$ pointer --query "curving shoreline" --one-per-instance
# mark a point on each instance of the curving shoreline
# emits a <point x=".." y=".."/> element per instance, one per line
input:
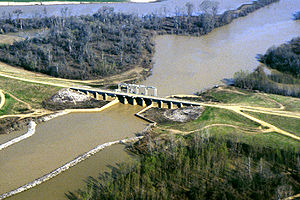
<point x="30" y="132"/>
<point x="66" y="166"/>
<point x="53" y="171"/>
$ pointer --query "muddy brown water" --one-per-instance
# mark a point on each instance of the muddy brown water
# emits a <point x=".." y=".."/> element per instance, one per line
<point x="7" y="137"/>
<point x="182" y="65"/>
<point x="60" y="140"/>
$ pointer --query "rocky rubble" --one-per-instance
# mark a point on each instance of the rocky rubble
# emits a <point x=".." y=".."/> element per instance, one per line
<point x="67" y="95"/>
<point x="70" y="99"/>
<point x="163" y="115"/>
<point x="183" y="114"/>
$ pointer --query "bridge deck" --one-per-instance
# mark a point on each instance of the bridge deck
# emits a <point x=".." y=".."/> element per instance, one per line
<point x="153" y="98"/>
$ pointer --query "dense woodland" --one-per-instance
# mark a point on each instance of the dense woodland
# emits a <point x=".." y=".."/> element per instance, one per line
<point x="106" y="43"/>
<point x="199" y="167"/>
<point x="284" y="79"/>
<point x="83" y="47"/>
<point x="285" y="58"/>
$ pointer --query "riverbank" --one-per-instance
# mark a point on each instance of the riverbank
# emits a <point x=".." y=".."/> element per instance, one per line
<point x="66" y="167"/>
<point x="113" y="57"/>
<point x="63" y="102"/>
<point x="172" y="146"/>
<point x="182" y="83"/>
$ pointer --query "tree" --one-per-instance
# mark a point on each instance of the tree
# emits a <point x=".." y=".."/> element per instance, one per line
<point x="189" y="8"/>
<point x="18" y="12"/>
<point x="210" y="7"/>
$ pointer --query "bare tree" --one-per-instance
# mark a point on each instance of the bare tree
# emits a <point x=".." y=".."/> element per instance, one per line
<point x="18" y="12"/>
<point x="210" y="7"/>
<point x="189" y="8"/>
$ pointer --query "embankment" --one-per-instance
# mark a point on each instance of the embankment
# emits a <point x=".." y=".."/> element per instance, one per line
<point x="30" y="132"/>
<point x="66" y="166"/>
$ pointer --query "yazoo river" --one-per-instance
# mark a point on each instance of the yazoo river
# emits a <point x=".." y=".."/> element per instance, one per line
<point x="181" y="65"/>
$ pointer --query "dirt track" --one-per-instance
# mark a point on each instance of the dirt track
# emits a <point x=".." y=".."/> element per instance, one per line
<point x="2" y="97"/>
<point x="23" y="75"/>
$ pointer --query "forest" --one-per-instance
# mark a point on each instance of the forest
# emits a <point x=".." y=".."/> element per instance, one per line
<point x="106" y="43"/>
<point x="282" y="75"/>
<point x="285" y="58"/>
<point x="198" y="166"/>
<point x="83" y="47"/>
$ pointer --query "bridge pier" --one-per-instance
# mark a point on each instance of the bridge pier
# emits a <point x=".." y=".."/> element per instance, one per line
<point x="134" y="101"/>
<point x="90" y="94"/>
<point x="97" y="96"/>
<point x="170" y="105"/>
<point x="160" y="104"/>
<point x="104" y="96"/>
<point x="151" y="102"/>
<point x="124" y="100"/>
<point x="143" y="103"/>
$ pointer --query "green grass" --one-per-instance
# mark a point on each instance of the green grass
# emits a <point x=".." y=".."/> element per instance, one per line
<point x="214" y="116"/>
<point x="289" y="124"/>
<point x="32" y="93"/>
<point x="245" y="97"/>
<point x="12" y="106"/>
<point x="272" y="140"/>
<point x="255" y="99"/>
<point x="290" y="103"/>
<point x="246" y="129"/>
<point x="276" y="140"/>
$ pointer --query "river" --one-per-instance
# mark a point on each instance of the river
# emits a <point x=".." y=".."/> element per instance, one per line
<point x="60" y="140"/>
<point x="182" y="65"/>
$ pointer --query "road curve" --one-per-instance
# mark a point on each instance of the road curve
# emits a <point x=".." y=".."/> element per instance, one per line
<point x="2" y="97"/>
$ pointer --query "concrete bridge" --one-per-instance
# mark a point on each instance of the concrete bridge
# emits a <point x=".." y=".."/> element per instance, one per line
<point x="135" y="99"/>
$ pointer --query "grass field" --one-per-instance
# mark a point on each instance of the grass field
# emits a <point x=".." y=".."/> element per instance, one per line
<point x="290" y="103"/>
<point x="12" y="106"/>
<point x="233" y="95"/>
<point x="31" y="93"/>
<point x="291" y="125"/>
<point x="216" y="121"/>
<point x="214" y="116"/>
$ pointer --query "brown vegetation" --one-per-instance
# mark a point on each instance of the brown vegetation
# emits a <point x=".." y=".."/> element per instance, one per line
<point x="107" y="43"/>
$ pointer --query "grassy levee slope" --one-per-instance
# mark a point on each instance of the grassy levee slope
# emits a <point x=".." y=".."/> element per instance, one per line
<point x="32" y="93"/>
<point x="215" y="121"/>
<point x="289" y="103"/>
<point x="12" y="106"/>
<point x="291" y="125"/>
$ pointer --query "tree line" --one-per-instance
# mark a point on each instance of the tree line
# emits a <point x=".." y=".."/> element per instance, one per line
<point x="199" y="167"/>
<point x="285" y="59"/>
<point x="106" y="43"/>
<point x="84" y="47"/>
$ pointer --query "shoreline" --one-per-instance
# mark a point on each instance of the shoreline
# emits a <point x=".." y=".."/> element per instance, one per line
<point x="75" y="161"/>
<point x="66" y="166"/>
